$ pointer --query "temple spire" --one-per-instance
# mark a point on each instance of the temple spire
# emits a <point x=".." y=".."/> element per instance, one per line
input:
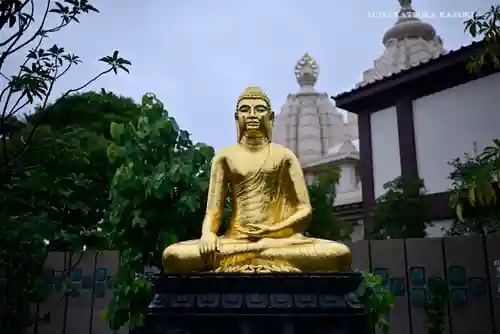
<point x="405" y="3"/>
<point x="406" y="11"/>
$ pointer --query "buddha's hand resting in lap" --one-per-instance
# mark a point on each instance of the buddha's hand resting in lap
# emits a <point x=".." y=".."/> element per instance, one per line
<point x="209" y="247"/>
<point x="256" y="229"/>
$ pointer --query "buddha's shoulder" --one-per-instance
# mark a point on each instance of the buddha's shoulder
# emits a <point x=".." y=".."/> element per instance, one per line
<point x="226" y="151"/>
<point x="277" y="150"/>
<point x="282" y="150"/>
<point x="234" y="148"/>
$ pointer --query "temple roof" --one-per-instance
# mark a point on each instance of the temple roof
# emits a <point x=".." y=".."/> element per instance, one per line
<point x="347" y="150"/>
<point x="408" y="43"/>
<point x="409" y="25"/>
<point x="343" y="148"/>
<point x="459" y="55"/>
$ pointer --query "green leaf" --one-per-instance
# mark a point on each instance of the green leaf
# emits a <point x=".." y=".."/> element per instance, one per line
<point x="111" y="152"/>
<point x="473" y="29"/>
<point x="116" y="130"/>
<point x="123" y="68"/>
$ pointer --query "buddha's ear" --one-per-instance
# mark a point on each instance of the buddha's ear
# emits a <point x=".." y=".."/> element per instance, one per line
<point x="238" y="131"/>
<point x="271" y="125"/>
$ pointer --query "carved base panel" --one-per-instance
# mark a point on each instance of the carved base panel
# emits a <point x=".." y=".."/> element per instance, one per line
<point x="258" y="266"/>
<point x="287" y="303"/>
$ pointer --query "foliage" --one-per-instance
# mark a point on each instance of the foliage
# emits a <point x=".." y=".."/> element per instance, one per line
<point x="487" y="26"/>
<point x="476" y="185"/>
<point x="93" y="111"/>
<point x="435" y="305"/>
<point x="477" y="225"/>
<point x="377" y="300"/>
<point x="158" y="197"/>
<point x="57" y="193"/>
<point x="42" y="67"/>
<point x="324" y="224"/>
<point x="402" y="211"/>
<point x="46" y="205"/>
<point x="44" y="188"/>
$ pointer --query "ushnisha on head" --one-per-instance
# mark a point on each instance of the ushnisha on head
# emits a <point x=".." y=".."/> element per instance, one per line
<point x="254" y="116"/>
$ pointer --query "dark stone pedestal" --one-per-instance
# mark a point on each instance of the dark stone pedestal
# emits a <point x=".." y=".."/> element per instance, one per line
<point x="256" y="303"/>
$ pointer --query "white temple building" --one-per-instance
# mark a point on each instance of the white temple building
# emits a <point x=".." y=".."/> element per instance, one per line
<point x="414" y="113"/>
<point x="324" y="136"/>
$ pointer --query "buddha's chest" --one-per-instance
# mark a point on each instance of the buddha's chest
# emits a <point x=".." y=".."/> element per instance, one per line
<point x="248" y="164"/>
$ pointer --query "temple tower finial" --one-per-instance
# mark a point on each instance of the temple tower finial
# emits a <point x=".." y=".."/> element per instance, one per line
<point x="306" y="71"/>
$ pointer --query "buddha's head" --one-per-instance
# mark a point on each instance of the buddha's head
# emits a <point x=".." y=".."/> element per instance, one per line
<point x="254" y="117"/>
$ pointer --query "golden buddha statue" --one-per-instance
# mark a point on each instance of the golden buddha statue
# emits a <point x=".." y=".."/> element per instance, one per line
<point x="270" y="207"/>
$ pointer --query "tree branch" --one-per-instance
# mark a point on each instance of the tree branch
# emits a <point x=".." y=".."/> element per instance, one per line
<point x="9" y="115"/>
<point x="10" y="49"/>
<point x="7" y="162"/>
<point x="64" y="23"/>
<point x="4" y="110"/>
<point x="21" y="31"/>
<point x="14" y="106"/>
<point x="5" y="77"/>
<point x="18" y="74"/>
<point x="64" y="72"/>
<point x="7" y="10"/>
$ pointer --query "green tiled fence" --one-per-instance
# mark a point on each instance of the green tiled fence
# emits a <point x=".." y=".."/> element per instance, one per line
<point x="469" y="266"/>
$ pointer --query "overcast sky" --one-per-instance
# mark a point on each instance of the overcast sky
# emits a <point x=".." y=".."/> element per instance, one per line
<point x="197" y="56"/>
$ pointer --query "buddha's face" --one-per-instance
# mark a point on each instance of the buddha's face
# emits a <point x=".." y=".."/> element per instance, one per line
<point x="254" y="118"/>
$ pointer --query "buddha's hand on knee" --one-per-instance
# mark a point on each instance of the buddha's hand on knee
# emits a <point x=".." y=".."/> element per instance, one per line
<point x="209" y="247"/>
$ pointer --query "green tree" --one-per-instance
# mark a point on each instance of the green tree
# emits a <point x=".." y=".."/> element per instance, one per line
<point x="57" y="192"/>
<point x="158" y="197"/>
<point x="92" y="111"/>
<point x="486" y="26"/>
<point x="39" y="203"/>
<point x="475" y="191"/>
<point x="42" y="67"/>
<point x="324" y="224"/>
<point x="401" y="212"/>
<point x="45" y="204"/>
